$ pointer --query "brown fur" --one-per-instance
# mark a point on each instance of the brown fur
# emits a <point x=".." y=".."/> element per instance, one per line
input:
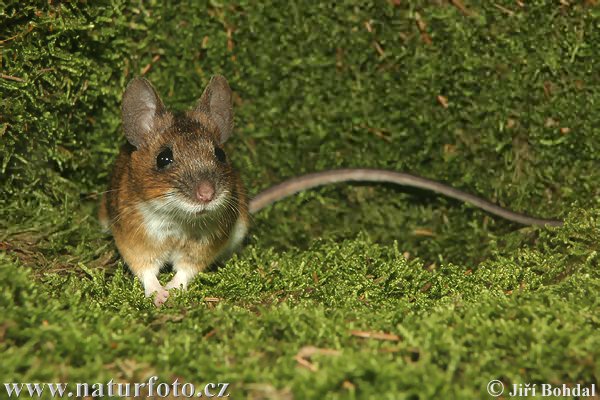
<point x="137" y="183"/>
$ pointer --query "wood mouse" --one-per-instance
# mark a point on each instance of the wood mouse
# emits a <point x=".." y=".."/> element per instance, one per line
<point x="174" y="197"/>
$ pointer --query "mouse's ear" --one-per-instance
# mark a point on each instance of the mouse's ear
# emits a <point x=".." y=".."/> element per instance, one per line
<point x="216" y="103"/>
<point x="141" y="105"/>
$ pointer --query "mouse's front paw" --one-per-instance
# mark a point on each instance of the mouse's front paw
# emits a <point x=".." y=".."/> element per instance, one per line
<point x="160" y="296"/>
<point x="180" y="280"/>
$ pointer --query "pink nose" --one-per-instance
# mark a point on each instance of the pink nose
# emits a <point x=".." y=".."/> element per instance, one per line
<point x="205" y="192"/>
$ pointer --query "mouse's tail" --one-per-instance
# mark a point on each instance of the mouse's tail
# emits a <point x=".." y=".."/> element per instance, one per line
<point x="309" y="181"/>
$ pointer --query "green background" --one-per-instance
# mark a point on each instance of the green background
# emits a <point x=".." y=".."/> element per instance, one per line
<point x="497" y="98"/>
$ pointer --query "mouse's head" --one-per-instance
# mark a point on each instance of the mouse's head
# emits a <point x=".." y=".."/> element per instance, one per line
<point x="178" y="164"/>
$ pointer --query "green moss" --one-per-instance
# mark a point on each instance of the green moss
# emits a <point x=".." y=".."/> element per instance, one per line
<point x="316" y="87"/>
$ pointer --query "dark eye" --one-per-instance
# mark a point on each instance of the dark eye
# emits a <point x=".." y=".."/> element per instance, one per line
<point x="164" y="159"/>
<point x="220" y="154"/>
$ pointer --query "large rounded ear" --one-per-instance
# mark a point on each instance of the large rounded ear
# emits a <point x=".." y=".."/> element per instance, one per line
<point x="216" y="103"/>
<point x="141" y="105"/>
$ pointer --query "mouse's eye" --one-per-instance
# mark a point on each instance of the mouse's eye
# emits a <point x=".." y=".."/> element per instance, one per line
<point x="164" y="159"/>
<point x="220" y="154"/>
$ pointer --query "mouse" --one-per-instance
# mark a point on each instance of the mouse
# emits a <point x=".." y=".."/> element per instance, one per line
<point x="175" y="198"/>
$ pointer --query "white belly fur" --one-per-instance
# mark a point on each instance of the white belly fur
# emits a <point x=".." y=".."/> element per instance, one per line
<point x="160" y="226"/>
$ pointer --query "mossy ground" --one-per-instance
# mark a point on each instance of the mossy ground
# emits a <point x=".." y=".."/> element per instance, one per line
<point x="499" y="99"/>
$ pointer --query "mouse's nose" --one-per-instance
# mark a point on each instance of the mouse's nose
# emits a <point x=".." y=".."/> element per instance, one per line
<point x="205" y="192"/>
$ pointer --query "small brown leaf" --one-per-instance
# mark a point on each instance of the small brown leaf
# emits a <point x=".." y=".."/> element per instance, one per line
<point x="306" y="352"/>
<point x="210" y="333"/>
<point x="375" y="335"/>
<point x="12" y="78"/>
<point x="348" y="385"/>
<point x="430" y="267"/>
<point x="309" y="351"/>
<point x="506" y="10"/>
<point x="423" y="29"/>
<point x="443" y="101"/>
<point x="145" y="70"/>
<point x="423" y="232"/>
<point x="229" y="40"/>
<point x="449" y="149"/>
<point x="550" y="123"/>
<point x="379" y="48"/>
<point x="459" y="4"/>
<point x="548" y="88"/>
<point x="426" y="287"/>
<point x="204" y="42"/>
<point x="306" y="364"/>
